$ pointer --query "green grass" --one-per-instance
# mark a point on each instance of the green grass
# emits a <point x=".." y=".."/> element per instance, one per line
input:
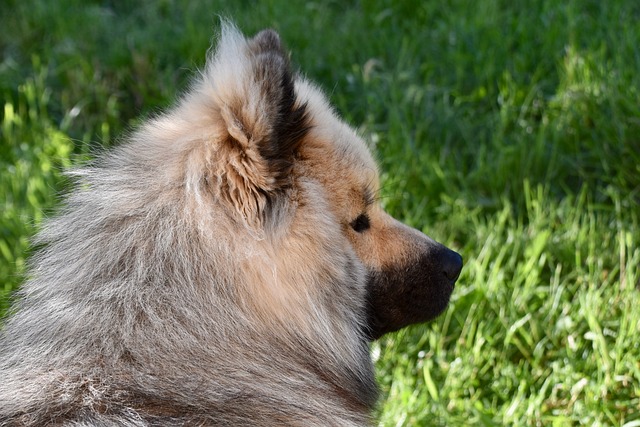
<point x="508" y="130"/>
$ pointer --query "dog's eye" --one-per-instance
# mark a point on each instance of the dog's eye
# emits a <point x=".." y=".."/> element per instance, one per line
<point x="361" y="223"/>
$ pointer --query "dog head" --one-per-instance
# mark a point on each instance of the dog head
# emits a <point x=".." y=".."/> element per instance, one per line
<point x="305" y="184"/>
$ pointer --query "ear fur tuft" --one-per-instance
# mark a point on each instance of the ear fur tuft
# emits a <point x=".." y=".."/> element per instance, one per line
<point x="253" y="89"/>
<point x="290" y="121"/>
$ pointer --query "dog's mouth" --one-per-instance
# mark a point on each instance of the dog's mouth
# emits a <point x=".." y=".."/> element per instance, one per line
<point x="403" y="295"/>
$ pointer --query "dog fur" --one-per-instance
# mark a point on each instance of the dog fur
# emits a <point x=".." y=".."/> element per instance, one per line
<point x="227" y="265"/>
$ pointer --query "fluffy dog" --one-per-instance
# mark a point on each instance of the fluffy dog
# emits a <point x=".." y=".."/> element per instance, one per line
<point x="228" y="265"/>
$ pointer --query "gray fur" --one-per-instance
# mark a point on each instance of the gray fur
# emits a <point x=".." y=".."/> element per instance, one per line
<point x="137" y="310"/>
<point x="208" y="272"/>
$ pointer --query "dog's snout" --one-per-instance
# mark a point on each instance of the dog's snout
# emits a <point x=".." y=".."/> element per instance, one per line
<point x="451" y="264"/>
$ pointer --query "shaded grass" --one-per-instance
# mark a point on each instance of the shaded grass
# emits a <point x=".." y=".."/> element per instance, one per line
<point x="509" y="131"/>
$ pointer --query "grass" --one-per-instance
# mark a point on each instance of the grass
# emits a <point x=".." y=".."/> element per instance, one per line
<point x="510" y="131"/>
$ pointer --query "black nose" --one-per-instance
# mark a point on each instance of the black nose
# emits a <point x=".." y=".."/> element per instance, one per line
<point x="451" y="264"/>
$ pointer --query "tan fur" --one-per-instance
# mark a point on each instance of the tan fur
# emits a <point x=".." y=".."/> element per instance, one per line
<point x="227" y="265"/>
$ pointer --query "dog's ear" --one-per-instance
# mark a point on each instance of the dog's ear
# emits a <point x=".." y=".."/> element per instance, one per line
<point x="252" y="85"/>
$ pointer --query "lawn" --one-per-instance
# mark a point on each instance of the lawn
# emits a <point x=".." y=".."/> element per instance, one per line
<point x="508" y="130"/>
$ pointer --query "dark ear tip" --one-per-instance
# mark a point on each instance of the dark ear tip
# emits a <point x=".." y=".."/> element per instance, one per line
<point x="267" y="40"/>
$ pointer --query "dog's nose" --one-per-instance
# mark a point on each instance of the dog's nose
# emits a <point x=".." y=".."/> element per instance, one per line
<point x="451" y="265"/>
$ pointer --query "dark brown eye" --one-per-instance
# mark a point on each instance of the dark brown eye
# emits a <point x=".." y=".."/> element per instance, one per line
<point x="361" y="223"/>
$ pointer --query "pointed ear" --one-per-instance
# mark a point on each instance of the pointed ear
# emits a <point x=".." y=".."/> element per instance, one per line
<point x="254" y="92"/>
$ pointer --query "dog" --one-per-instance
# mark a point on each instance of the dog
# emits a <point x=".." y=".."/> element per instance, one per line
<point x="228" y="264"/>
